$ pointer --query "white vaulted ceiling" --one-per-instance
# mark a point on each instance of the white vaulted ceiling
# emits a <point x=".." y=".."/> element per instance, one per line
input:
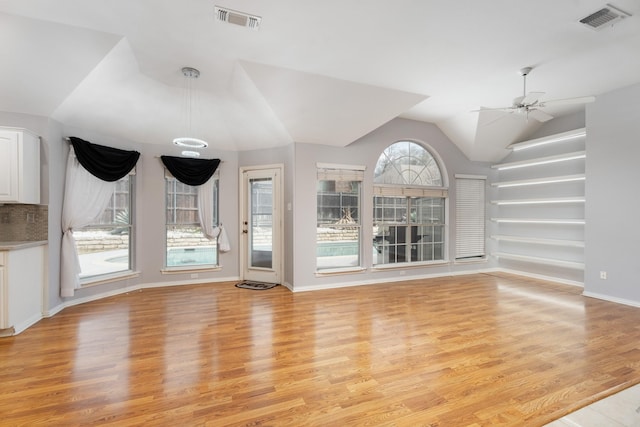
<point x="323" y="72"/>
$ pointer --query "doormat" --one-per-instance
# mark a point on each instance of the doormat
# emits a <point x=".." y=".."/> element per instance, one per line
<point x="256" y="286"/>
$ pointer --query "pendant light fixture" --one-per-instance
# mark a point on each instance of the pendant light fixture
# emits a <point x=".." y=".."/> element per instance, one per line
<point x="189" y="142"/>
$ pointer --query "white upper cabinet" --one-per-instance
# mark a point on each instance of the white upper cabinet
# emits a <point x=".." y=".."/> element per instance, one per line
<point x="19" y="166"/>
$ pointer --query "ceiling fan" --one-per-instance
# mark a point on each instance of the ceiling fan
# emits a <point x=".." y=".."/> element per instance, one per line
<point x="530" y="105"/>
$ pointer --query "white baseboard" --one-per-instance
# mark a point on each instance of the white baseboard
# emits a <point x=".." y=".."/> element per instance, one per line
<point x="436" y="275"/>
<point x="538" y="276"/>
<point x="77" y="301"/>
<point x="188" y="282"/>
<point x="26" y="324"/>
<point x="387" y="280"/>
<point x="54" y="310"/>
<point x="609" y="298"/>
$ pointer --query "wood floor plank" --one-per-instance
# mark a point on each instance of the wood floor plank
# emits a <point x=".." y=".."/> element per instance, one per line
<point x="477" y="350"/>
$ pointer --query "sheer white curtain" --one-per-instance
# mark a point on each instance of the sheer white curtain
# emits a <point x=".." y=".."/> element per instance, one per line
<point x="85" y="197"/>
<point x="205" y="214"/>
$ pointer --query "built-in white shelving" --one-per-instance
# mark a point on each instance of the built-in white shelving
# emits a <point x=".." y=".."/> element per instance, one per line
<point x="539" y="181"/>
<point x="552" y="139"/>
<point x="541" y="161"/>
<point x="558" y="221"/>
<point x="547" y="201"/>
<point x="539" y="260"/>
<point x="540" y="224"/>
<point x="539" y="241"/>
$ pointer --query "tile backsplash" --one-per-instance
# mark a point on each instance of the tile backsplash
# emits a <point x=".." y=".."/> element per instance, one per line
<point x="23" y="223"/>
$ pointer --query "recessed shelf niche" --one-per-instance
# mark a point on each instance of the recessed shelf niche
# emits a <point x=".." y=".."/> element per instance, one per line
<point x="538" y="207"/>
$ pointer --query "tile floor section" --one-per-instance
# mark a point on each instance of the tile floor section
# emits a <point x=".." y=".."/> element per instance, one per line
<point x="621" y="409"/>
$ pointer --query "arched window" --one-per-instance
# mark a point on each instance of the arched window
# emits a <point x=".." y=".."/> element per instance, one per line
<point x="408" y="206"/>
<point x="407" y="163"/>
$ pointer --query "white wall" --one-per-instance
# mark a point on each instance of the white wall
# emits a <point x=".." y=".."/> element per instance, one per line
<point x="58" y="150"/>
<point x="613" y="198"/>
<point x="366" y="151"/>
<point x="559" y="125"/>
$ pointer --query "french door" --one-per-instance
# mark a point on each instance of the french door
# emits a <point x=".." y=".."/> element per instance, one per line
<point x="261" y="224"/>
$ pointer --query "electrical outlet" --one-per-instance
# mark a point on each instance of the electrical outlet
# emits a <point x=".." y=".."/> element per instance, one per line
<point x="31" y="218"/>
<point x="402" y="272"/>
<point x="194" y="275"/>
<point x="603" y="275"/>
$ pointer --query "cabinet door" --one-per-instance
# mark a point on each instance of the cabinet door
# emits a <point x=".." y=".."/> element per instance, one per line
<point x="19" y="166"/>
<point x="8" y="166"/>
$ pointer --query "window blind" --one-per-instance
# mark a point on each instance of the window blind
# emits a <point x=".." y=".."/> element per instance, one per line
<point x="329" y="174"/>
<point x="470" y="219"/>
<point x="396" y="190"/>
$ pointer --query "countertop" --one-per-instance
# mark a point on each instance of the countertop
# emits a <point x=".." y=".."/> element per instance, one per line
<point x="9" y="246"/>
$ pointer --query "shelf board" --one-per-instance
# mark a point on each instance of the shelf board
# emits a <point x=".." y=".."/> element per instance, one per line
<point x="565" y="221"/>
<point x="539" y="181"/>
<point x="540" y="260"/>
<point x="559" y="137"/>
<point x="541" y="161"/>
<point x="539" y="241"/>
<point x="553" y="200"/>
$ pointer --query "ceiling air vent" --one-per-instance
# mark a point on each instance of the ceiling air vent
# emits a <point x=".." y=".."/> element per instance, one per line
<point x="237" y="18"/>
<point x="605" y="17"/>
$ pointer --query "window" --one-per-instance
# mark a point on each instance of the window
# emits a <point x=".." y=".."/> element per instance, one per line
<point x="338" y="217"/>
<point x="470" y="217"/>
<point x="104" y="247"/>
<point x="186" y="244"/>
<point x="407" y="163"/>
<point x="409" y="206"/>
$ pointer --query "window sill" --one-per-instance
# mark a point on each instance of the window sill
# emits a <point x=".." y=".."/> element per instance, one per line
<point x="337" y="271"/>
<point x="108" y="278"/>
<point x="190" y="269"/>
<point x="471" y="260"/>
<point x="398" y="265"/>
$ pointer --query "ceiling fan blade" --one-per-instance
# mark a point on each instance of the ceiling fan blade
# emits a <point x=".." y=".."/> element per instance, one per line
<point x="540" y="115"/>
<point x="579" y="100"/>
<point x="508" y="109"/>
<point x="485" y="120"/>
<point x="531" y="98"/>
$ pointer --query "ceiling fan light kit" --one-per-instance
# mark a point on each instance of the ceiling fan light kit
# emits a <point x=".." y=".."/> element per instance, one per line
<point x="526" y="70"/>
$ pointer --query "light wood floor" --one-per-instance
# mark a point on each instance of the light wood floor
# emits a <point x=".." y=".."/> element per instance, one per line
<point x="470" y="350"/>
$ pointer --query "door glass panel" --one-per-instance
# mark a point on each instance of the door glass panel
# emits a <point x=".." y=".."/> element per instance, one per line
<point x="261" y="223"/>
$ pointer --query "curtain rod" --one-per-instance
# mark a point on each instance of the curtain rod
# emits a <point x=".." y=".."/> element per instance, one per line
<point x="157" y="157"/>
<point x="66" y="138"/>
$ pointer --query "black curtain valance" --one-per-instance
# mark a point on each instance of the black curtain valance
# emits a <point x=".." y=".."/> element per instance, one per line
<point x="191" y="171"/>
<point x="107" y="163"/>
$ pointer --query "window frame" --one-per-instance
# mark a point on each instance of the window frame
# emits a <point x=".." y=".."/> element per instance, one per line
<point x="410" y="192"/>
<point x="197" y="267"/>
<point x="100" y="278"/>
<point x="340" y="173"/>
